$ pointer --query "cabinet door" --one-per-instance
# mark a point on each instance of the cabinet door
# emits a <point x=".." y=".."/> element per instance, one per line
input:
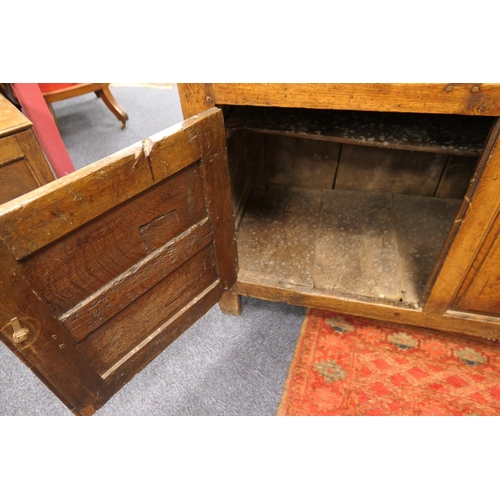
<point x="105" y="267"/>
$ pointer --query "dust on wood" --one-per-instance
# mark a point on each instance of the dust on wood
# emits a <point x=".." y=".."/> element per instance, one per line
<point x="459" y="135"/>
<point x="422" y="225"/>
<point x="344" y="243"/>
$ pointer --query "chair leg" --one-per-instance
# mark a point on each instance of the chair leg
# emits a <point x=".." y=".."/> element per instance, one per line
<point x="112" y="104"/>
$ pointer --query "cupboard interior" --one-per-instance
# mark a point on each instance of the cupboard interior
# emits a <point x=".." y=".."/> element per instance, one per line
<point x="349" y="204"/>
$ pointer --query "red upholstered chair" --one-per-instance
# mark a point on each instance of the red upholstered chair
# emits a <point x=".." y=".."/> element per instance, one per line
<point x="53" y="92"/>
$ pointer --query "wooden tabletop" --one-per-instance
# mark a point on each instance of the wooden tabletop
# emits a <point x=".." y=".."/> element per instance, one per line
<point x="12" y="120"/>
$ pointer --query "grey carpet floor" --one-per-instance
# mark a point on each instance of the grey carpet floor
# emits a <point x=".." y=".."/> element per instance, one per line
<point x="222" y="365"/>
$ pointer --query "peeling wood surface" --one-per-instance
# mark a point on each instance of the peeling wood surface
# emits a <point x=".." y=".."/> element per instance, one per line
<point x="346" y="243"/>
<point x="458" y="135"/>
<point x="448" y="98"/>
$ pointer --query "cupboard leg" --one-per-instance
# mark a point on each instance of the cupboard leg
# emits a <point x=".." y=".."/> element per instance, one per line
<point x="230" y="303"/>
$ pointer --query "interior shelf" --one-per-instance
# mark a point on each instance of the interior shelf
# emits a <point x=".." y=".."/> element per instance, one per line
<point x="449" y="134"/>
<point x="375" y="245"/>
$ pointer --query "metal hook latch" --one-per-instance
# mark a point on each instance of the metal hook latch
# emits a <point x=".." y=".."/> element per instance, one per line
<point x="20" y="334"/>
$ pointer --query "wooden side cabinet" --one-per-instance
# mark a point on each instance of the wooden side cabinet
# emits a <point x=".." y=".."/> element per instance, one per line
<point x="23" y="166"/>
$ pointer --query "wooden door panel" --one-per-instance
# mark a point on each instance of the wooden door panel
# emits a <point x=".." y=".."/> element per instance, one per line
<point x="81" y="262"/>
<point x="121" y="256"/>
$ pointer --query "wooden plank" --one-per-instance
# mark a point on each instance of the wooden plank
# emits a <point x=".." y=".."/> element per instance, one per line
<point x="259" y="232"/>
<point x="373" y="169"/>
<point x="422" y="225"/>
<point x="79" y="264"/>
<point x="483" y="295"/>
<point x="164" y="335"/>
<point x="356" y="248"/>
<point x="48" y="213"/>
<point x="49" y="347"/>
<point x="293" y="161"/>
<point x="168" y="152"/>
<point x="117" y="337"/>
<point x="458" y="135"/>
<point x="298" y="232"/>
<point x="470" y="230"/>
<point x="12" y="120"/>
<point x="217" y="190"/>
<point x="463" y="98"/>
<point x="246" y="167"/>
<point x="15" y="180"/>
<point x="38" y="165"/>
<point x="195" y="98"/>
<point x="101" y="306"/>
<point x="480" y="326"/>
<point x="456" y="177"/>
<point x="22" y="166"/>
<point x="10" y="150"/>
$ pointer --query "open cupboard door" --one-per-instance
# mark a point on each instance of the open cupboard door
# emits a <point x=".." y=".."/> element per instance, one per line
<point x="102" y="269"/>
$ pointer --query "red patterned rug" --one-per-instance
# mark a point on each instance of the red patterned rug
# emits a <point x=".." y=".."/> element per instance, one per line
<point x="352" y="366"/>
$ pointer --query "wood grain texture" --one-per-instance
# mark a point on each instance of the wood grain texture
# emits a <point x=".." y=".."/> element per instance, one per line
<point x="48" y="213"/>
<point x="149" y="258"/>
<point x="294" y="161"/>
<point x="469" y="324"/>
<point x="230" y="303"/>
<point x="217" y="190"/>
<point x="49" y="348"/>
<point x="10" y="150"/>
<point x="165" y="334"/>
<point x="109" y="343"/>
<point x="456" y="177"/>
<point x="470" y="230"/>
<point x="483" y="295"/>
<point x="80" y="263"/>
<point x="466" y="99"/>
<point x="23" y="166"/>
<point x="195" y="98"/>
<point x="15" y="180"/>
<point x="117" y="294"/>
<point x="11" y="119"/>
<point x="246" y="162"/>
<point x="394" y="171"/>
